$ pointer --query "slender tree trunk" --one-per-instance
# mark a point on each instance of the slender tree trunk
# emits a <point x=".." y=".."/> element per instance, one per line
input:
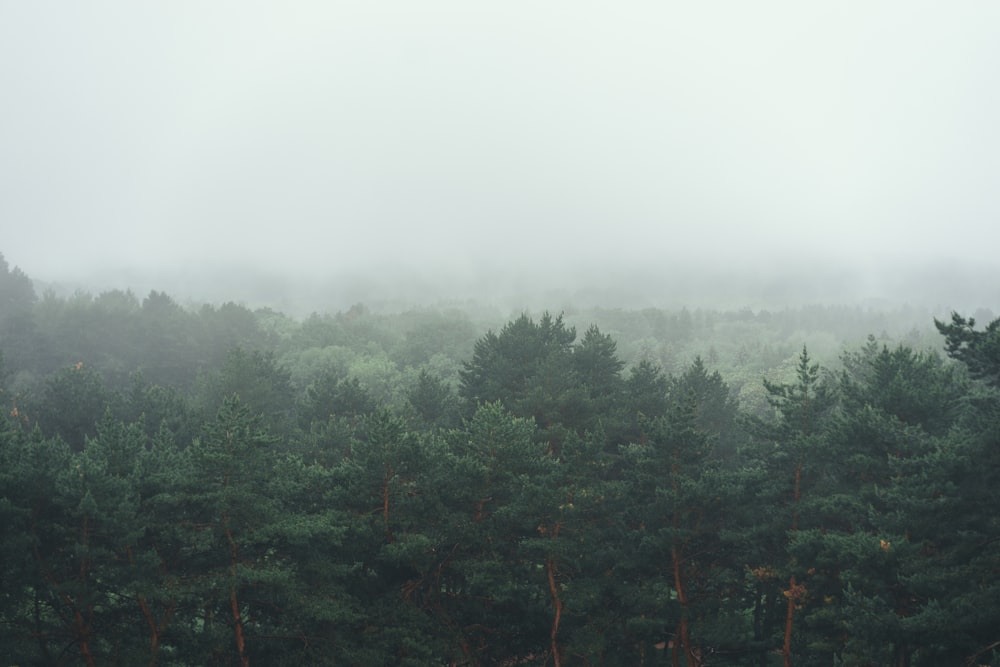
<point x="758" y="613"/>
<point x="234" y="603"/>
<point x="550" y="570"/>
<point x="80" y="626"/>
<point x="786" y="648"/>
<point x="683" y="633"/>
<point x="478" y="516"/>
<point x="385" y="503"/>
<point x="83" y="625"/>
<point x="155" y="629"/>
<point x="83" y="633"/>
<point x="676" y="556"/>
<point x="238" y="628"/>
<point x="43" y="647"/>
<point x="154" y="633"/>
<point x="903" y="655"/>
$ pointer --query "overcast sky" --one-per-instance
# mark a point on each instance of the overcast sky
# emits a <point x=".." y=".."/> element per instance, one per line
<point x="316" y="137"/>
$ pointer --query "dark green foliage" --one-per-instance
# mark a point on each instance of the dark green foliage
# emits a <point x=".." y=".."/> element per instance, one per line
<point x="534" y="370"/>
<point x="644" y="398"/>
<point x="167" y="335"/>
<point x="503" y="365"/>
<point x="159" y="408"/>
<point x="978" y="350"/>
<point x="427" y="334"/>
<point x="72" y="401"/>
<point x="19" y="340"/>
<point x="914" y="387"/>
<point x="597" y="364"/>
<point x="17" y="294"/>
<point x="260" y="383"/>
<point x="333" y="396"/>
<point x="715" y="407"/>
<point x="585" y="511"/>
<point x="676" y="521"/>
<point x="434" y="401"/>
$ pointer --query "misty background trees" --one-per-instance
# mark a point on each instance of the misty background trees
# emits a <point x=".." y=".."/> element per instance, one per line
<point x="214" y="485"/>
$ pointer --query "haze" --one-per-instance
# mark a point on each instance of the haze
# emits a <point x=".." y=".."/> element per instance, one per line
<point x="414" y="146"/>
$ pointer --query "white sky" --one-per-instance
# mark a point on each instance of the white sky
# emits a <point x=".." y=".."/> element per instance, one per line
<point x="313" y="137"/>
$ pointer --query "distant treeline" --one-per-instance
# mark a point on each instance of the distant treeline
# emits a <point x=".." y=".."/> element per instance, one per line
<point x="221" y="486"/>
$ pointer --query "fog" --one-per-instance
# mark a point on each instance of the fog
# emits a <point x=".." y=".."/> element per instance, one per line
<point x="628" y="153"/>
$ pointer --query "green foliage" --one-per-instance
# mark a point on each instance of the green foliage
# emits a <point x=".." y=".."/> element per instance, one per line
<point x="504" y="364"/>
<point x="914" y="387"/>
<point x="316" y="498"/>
<point x="434" y="401"/>
<point x="71" y="403"/>
<point x="333" y="396"/>
<point x="260" y="383"/>
<point x="978" y="350"/>
<point x="714" y="404"/>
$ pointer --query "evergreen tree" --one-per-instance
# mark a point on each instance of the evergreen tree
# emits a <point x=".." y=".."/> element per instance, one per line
<point x="434" y="402"/>
<point x="331" y="395"/>
<point x="715" y="407"/>
<point x="504" y="366"/>
<point x="801" y="408"/>
<point x="20" y="340"/>
<point x="167" y="335"/>
<point x="979" y="351"/>
<point x="644" y="399"/>
<point x="496" y="591"/>
<point x="261" y="384"/>
<point x="679" y="519"/>
<point x="71" y="403"/>
<point x="228" y="518"/>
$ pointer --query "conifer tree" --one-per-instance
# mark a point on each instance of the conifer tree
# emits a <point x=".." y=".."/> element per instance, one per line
<point x="801" y="407"/>
<point x="227" y="522"/>
<point x="678" y="491"/>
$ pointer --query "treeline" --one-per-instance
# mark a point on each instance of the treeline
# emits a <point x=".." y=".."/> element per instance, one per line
<point x="226" y="487"/>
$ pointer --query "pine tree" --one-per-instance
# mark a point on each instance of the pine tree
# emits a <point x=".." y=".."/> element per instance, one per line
<point x="677" y="515"/>
<point x="801" y="407"/>
<point x="227" y="521"/>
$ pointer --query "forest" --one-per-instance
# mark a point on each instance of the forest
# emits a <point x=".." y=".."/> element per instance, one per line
<point x="205" y="484"/>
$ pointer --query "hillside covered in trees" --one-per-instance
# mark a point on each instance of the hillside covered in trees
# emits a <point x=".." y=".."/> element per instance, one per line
<point x="214" y="485"/>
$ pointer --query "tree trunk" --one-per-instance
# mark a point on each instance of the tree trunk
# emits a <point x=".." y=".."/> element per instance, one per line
<point x="550" y="570"/>
<point x="683" y="635"/>
<point x="385" y="503"/>
<point x="238" y="628"/>
<point x="786" y="648"/>
<point x="155" y="629"/>
<point x="234" y="603"/>
<point x="903" y="655"/>
<point x="81" y="626"/>
<point x="83" y="633"/>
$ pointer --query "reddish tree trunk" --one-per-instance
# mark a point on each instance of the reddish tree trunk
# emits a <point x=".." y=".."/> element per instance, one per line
<point x="385" y="503"/>
<point x="786" y="648"/>
<point x="234" y="603"/>
<point x="683" y="634"/>
<point x="155" y="629"/>
<point x="238" y="629"/>
<point x="550" y="570"/>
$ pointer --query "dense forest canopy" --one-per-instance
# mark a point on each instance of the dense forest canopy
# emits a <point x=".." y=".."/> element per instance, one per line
<point x="215" y="485"/>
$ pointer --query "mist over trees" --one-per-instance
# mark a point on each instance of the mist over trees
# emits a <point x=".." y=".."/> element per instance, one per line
<point x="218" y="485"/>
